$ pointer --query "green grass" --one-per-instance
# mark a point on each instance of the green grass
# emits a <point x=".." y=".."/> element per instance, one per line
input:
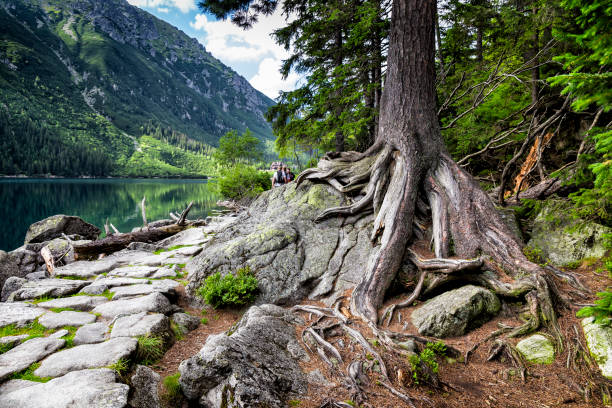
<point x="178" y="333"/>
<point x="204" y="320"/>
<point x="172" y="389"/>
<point x="28" y="374"/>
<point x="70" y="336"/>
<point x="33" y="329"/>
<point x="121" y="367"/>
<point x="63" y="309"/>
<point x="150" y="349"/>
<point x="6" y="347"/>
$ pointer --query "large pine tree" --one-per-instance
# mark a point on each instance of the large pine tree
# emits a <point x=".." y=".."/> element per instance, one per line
<point x="408" y="166"/>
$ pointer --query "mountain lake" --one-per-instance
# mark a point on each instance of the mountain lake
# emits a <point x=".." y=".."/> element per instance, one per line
<point x="23" y="201"/>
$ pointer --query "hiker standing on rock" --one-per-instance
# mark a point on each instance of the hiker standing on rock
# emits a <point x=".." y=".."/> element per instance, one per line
<point x="279" y="177"/>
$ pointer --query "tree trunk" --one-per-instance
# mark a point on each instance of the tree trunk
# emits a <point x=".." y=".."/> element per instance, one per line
<point x="409" y="162"/>
<point x="339" y="140"/>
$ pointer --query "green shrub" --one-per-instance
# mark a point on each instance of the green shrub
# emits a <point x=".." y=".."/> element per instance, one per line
<point x="243" y="181"/>
<point x="172" y="395"/>
<point x="150" y="349"/>
<point x="229" y="290"/>
<point x="602" y="311"/>
<point x="425" y="362"/>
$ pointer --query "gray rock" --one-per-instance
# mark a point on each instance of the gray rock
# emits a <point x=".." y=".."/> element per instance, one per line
<point x="166" y="287"/>
<point x="17" y="263"/>
<point x="186" y="251"/>
<point x="27" y="353"/>
<point x="144" y="388"/>
<point x="37" y="275"/>
<point x="83" y="303"/>
<point x="59" y="334"/>
<point x="142" y="246"/>
<point x="94" y="289"/>
<point x="186" y="322"/>
<point x="155" y="302"/>
<point x="61" y="250"/>
<point x="133" y="271"/>
<point x="599" y="342"/>
<point x="537" y="349"/>
<point x="111" y="282"/>
<point x="14" y="385"/>
<point x="54" y="226"/>
<point x="508" y="216"/>
<point x="165" y="272"/>
<point x="86" y="269"/>
<point x="18" y="313"/>
<point x="257" y="365"/>
<point x="292" y="256"/>
<point x="91" y="333"/>
<point x="11" y="285"/>
<point x="14" y="340"/>
<point x="456" y="311"/>
<point x="52" y="320"/>
<point x="78" y="389"/>
<point x="564" y="240"/>
<point x="191" y="236"/>
<point x="142" y="324"/>
<point x="47" y="287"/>
<point x="86" y="356"/>
<point x="127" y="257"/>
<point x="152" y="260"/>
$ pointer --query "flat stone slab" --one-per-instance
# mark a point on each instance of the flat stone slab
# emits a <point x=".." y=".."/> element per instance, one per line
<point x="48" y="287"/>
<point x="133" y="271"/>
<point x="78" y="389"/>
<point x="455" y="312"/>
<point x="86" y="269"/>
<point x="127" y="257"/>
<point x="166" y="287"/>
<point x="86" y="356"/>
<point x="185" y="251"/>
<point x="24" y="355"/>
<point x="191" y="236"/>
<point x="164" y="272"/>
<point x="52" y="320"/>
<point x="14" y="385"/>
<point x="91" y="333"/>
<point x="59" y="334"/>
<point x="152" y="260"/>
<point x="18" y="313"/>
<point x="155" y="302"/>
<point x="93" y="290"/>
<point x="82" y="303"/>
<point x="141" y="324"/>
<point x="13" y="339"/>
<point x="599" y="342"/>
<point x="537" y="349"/>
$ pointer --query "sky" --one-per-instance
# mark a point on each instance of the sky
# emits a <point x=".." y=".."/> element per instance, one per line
<point x="251" y="53"/>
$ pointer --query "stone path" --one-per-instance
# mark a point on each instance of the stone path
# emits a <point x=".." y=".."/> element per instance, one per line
<point x="79" y="325"/>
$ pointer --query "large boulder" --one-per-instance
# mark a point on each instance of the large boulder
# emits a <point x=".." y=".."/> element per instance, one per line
<point x="17" y="263"/>
<point x="55" y="226"/>
<point x="564" y="240"/>
<point x="144" y="388"/>
<point x="257" y="365"/>
<point x="599" y="342"/>
<point x="31" y="351"/>
<point x="456" y="311"/>
<point x="291" y="255"/>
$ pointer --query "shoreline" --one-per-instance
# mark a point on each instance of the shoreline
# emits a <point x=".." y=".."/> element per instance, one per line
<point x="53" y="177"/>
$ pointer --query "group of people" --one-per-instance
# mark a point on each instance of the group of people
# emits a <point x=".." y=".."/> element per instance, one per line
<point x="282" y="176"/>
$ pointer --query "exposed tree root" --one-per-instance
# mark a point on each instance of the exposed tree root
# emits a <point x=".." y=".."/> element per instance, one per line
<point x="501" y="347"/>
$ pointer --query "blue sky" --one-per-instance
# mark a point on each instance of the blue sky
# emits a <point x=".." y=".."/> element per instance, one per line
<point x="251" y="53"/>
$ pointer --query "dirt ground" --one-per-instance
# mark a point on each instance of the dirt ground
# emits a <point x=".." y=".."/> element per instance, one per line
<point x="569" y="382"/>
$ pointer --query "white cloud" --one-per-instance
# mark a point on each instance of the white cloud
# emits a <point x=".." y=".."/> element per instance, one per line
<point x="184" y="6"/>
<point x="269" y="80"/>
<point x="231" y="43"/>
<point x="163" y="9"/>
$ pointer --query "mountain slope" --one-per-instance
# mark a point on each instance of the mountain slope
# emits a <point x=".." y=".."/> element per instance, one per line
<point x="100" y="74"/>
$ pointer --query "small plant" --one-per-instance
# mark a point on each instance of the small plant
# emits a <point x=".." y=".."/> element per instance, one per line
<point x="28" y="374"/>
<point x="6" y="347"/>
<point x="229" y="290"/>
<point x="172" y="390"/>
<point x="295" y="403"/>
<point x="62" y="309"/>
<point x="602" y="311"/>
<point x="150" y="349"/>
<point x="204" y="320"/>
<point x="535" y="255"/>
<point x="178" y="333"/>
<point x="424" y="365"/>
<point x="121" y="367"/>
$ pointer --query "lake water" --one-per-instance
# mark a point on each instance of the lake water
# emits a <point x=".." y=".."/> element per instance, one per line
<point x="25" y="201"/>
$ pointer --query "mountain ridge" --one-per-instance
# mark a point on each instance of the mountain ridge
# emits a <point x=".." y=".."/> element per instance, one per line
<point x="106" y="73"/>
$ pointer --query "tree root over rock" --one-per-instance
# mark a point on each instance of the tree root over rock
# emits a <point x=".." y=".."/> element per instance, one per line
<point x="403" y="194"/>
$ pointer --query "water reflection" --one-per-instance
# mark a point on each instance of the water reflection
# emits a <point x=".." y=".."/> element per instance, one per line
<point x="25" y="201"/>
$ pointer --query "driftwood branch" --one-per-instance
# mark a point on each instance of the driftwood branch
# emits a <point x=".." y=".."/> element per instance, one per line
<point x="118" y="241"/>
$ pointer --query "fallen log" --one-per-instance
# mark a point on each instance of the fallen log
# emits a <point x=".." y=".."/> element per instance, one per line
<point x="117" y="242"/>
